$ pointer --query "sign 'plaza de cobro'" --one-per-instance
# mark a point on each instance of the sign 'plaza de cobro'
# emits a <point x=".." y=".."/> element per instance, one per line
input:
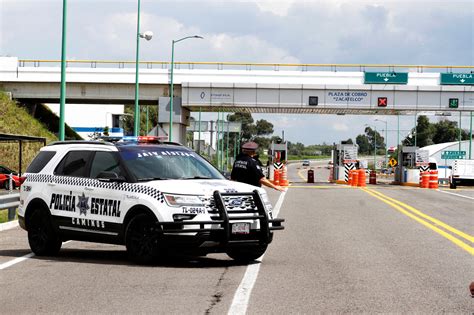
<point x="364" y="92"/>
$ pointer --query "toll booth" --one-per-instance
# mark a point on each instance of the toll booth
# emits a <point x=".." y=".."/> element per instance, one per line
<point x="277" y="155"/>
<point x="406" y="169"/>
<point x="344" y="159"/>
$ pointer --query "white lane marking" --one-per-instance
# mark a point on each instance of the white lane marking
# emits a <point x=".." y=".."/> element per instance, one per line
<point x="20" y="259"/>
<point x="242" y="295"/>
<point x="446" y="192"/>
<point x="8" y="225"/>
<point x="16" y="261"/>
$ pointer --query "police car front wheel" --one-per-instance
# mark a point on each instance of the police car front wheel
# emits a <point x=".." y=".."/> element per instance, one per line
<point x="42" y="238"/>
<point x="246" y="254"/>
<point x="142" y="239"/>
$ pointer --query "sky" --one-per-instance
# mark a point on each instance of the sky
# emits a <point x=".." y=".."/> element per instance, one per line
<point x="416" y="32"/>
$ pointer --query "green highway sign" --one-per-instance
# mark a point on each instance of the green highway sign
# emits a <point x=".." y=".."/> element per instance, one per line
<point x="457" y="79"/>
<point x="385" y="78"/>
<point x="453" y="155"/>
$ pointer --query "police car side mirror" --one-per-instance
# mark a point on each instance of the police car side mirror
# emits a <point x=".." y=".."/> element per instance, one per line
<point x="110" y="177"/>
<point x="226" y="174"/>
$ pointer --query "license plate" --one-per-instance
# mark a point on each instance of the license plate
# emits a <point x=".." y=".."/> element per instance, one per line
<point x="241" y="228"/>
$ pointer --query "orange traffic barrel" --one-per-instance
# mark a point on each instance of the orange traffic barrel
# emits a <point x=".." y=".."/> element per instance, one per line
<point x="361" y="178"/>
<point x="433" y="179"/>
<point x="425" y="180"/>
<point x="355" y="178"/>
<point x="373" y="177"/>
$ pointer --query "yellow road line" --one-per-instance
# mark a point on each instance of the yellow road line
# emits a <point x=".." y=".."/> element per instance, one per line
<point x="398" y="205"/>
<point x="322" y="187"/>
<point x="435" y="221"/>
<point x="301" y="176"/>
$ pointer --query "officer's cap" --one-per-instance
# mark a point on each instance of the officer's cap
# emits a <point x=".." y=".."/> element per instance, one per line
<point x="250" y="146"/>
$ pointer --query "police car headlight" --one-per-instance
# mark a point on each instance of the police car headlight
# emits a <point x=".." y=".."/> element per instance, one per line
<point x="182" y="200"/>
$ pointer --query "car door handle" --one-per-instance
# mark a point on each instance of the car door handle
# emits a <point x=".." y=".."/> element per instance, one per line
<point x="89" y="188"/>
<point x="51" y="184"/>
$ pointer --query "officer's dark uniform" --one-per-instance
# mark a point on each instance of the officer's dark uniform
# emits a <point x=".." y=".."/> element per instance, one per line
<point x="246" y="170"/>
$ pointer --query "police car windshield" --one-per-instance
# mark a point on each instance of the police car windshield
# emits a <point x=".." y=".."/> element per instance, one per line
<point x="160" y="163"/>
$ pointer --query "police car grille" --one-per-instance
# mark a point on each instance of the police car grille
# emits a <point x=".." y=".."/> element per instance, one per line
<point x="235" y="205"/>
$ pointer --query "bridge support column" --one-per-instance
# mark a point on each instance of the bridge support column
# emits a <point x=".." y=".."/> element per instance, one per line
<point x="180" y="118"/>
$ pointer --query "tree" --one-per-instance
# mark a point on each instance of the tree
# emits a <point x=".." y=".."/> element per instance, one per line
<point x="248" y="128"/>
<point x="257" y="132"/>
<point x="424" y="131"/>
<point x="128" y="119"/>
<point x="372" y="139"/>
<point x="440" y="132"/>
<point x="447" y="131"/>
<point x="263" y="127"/>
<point x="295" y="148"/>
<point x="363" y="143"/>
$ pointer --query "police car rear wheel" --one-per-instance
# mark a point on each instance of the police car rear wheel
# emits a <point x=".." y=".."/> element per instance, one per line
<point x="42" y="238"/>
<point x="246" y="254"/>
<point x="142" y="239"/>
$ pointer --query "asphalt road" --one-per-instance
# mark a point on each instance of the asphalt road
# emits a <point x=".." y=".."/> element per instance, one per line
<point x="344" y="250"/>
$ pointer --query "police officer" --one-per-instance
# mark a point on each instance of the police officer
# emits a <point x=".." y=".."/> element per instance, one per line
<point x="247" y="170"/>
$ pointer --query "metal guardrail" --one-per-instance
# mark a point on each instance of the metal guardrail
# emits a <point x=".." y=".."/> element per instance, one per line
<point x="11" y="202"/>
<point x="246" y="65"/>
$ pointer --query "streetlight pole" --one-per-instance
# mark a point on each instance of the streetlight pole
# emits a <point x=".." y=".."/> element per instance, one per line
<point x="398" y="130"/>
<point x="470" y="137"/>
<point x="375" y="148"/>
<point x="170" y="132"/>
<point x="386" y="139"/>
<point x="199" y="134"/>
<point x="460" y="130"/>
<point x="415" y="132"/>
<point x="62" y="97"/>
<point x="147" y="35"/>
<point x="375" y="143"/>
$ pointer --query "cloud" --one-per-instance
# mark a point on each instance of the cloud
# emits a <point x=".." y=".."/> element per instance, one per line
<point x="428" y="32"/>
<point x="340" y="127"/>
<point x="276" y="7"/>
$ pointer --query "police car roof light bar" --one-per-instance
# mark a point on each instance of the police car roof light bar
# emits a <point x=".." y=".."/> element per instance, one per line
<point x="148" y="139"/>
<point x="130" y="138"/>
<point x="142" y="139"/>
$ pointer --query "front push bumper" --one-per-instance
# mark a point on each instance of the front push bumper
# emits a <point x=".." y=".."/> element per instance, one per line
<point x="219" y="231"/>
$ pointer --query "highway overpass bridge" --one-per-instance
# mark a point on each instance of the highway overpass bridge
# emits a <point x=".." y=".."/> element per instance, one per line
<point x="256" y="88"/>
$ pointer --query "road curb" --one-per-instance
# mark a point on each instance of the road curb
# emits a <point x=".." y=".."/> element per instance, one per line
<point x="8" y="225"/>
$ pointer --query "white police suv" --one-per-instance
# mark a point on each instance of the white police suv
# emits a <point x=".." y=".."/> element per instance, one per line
<point x="155" y="198"/>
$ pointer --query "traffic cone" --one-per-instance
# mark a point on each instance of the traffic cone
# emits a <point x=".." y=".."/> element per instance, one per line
<point x="276" y="177"/>
<point x="284" y="177"/>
